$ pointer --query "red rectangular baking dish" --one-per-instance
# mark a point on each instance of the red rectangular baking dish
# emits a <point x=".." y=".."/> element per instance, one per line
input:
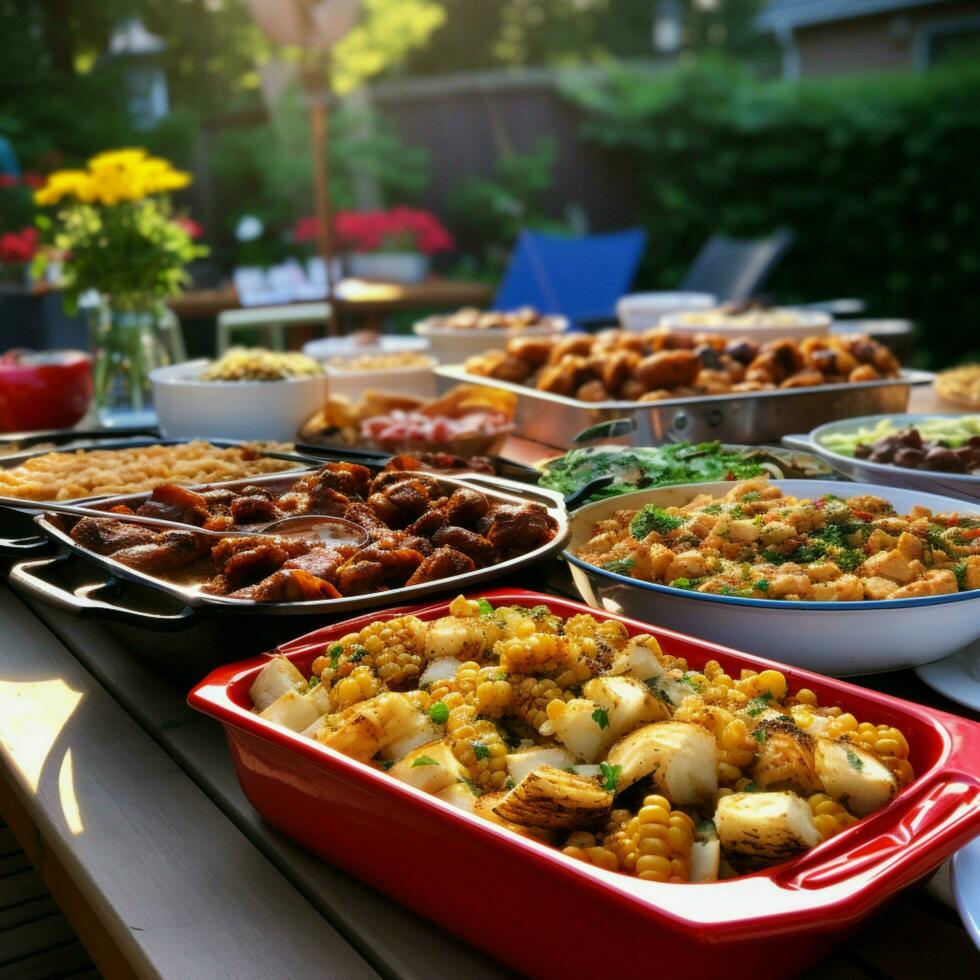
<point x="549" y="915"/>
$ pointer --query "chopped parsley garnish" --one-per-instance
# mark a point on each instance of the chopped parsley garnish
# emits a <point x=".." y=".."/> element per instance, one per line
<point x="335" y="653"/>
<point x="480" y="750"/>
<point x="314" y="680"/>
<point x="475" y="788"/>
<point x="601" y="717"/>
<point x="759" y="735"/>
<point x="738" y="511"/>
<point x="680" y="583"/>
<point x="610" y="776"/>
<point x="749" y="497"/>
<point x="712" y="509"/>
<point x="621" y="566"/>
<point x="652" y="518"/>
<point x="725" y="590"/>
<point x="439" y="712"/>
<point x="691" y="683"/>
<point x="359" y="653"/>
<point x="751" y="788"/>
<point x="758" y="705"/>
<point x="959" y="570"/>
<point x="424" y="760"/>
<point x="855" y="761"/>
<point x="761" y="586"/>
<point x="485" y="608"/>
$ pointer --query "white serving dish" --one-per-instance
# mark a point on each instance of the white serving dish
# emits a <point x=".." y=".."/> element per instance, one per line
<point x="326" y="348"/>
<point x="417" y="381"/>
<point x="811" y="323"/>
<point x="643" y="311"/>
<point x="188" y="408"/>
<point x="957" y="677"/>
<point x="451" y="344"/>
<point x="965" y="879"/>
<point x="837" y="638"/>
<point x="959" y="485"/>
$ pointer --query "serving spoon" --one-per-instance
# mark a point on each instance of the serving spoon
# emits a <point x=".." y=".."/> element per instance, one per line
<point x="330" y="530"/>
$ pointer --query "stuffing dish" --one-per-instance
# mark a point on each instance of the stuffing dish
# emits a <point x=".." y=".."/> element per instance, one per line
<point x="732" y="316"/>
<point x="420" y="530"/>
<point x="960" y="385"/>
<point x="754" y="542"/>
<point x="577" y="734"/>
<point x="260" y="364"/>
<point x="69" y="475"/>
<point x="620" y="365"/>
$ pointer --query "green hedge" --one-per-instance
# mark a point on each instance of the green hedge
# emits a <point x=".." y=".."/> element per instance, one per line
<point x="878" y="177"/>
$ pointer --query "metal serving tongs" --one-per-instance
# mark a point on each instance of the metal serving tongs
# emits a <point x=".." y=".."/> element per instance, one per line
<point x="330" y="530"/>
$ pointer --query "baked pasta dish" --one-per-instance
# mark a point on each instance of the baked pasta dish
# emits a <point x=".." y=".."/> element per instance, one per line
<point x="577" y="734"/>
<point x="625" y="366"/>
<point x="757" y="543"/>
<point x="419" y="530"/>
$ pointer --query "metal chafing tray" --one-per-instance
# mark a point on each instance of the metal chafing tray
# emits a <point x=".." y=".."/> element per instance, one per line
<point x="753" y="418"/>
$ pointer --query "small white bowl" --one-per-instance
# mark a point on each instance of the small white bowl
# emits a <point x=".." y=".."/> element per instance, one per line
<point x="188" y="408"/>
<point x="644" y="311"/>
<point x="417" y="380"/>
<point x="836" y="638"/>
<point x="325" y="348"/>
<point x="454" y="345"/>
<point x="808" y="324"/>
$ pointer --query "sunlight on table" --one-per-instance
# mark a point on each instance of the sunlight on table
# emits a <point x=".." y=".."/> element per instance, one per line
<point x="66" y="793"/>
<point x="32" y="716"/>
<point x="363" y="291"/>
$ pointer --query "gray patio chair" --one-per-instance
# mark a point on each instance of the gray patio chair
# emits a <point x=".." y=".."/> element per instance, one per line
<point x="735" y="268"/>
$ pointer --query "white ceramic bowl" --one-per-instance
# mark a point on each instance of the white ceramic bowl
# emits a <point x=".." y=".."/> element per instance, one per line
<point x="837" y="638"/>
<point x="959" y="485"/>
<point x="644" y="311"/>
<point x="191" y="409"/>
<point x="449" y="345"/>
<point x="418" y="381"/>
<point x="325" y="348"/>
<point x="807" y="324"/>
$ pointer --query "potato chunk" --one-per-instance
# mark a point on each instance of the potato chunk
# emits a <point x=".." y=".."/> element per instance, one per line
<point x="848" y="771"/>
<point x="276" y="678"/>
<point x="431" y="767"/>
<point x="552" y="798"/>
<point x="766" y="825"/>
<point x="681" y="757"/>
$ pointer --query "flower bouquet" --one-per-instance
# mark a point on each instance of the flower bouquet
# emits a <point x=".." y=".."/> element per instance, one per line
<point x="120" y="239"/>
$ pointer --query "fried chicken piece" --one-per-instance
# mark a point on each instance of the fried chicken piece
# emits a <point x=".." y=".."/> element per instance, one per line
<point x="363" y="515"/>
<point x="400" y="503"/>
<point x="442" y="563"/>
<point x="350" y="479"/>
<point x="396" y="564"/>
<point x="330" y="502"/>
<point x="171" y="550"/>
<point x="288" y="585"/>
<point x="427" y="525"/>
<point x="173" y="503"/>
<point x="471" y="544"/>
<point x="361" y="578"/>
<point x="465" y="507"/>
<point x="668" y="369"/>
<point x="104" y="536"/>
<point x="519" y="528"/>
<point x="252" y="564"/>
<point x="254" y="505"/>
<point x="322" y="562"/>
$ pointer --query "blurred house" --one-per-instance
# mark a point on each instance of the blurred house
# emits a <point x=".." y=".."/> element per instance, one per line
<point x="830" y="37"/>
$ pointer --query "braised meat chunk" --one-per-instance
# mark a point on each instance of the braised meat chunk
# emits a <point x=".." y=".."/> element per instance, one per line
<point x="350" y="479"/>
<point x="515" y="529"/>
<point x="471" y="544"/>
<point x="255" y="505"/>
<point x="465" y="507"/>
<point x="170" y="551"/>
<point x="104" y="536"/>
<point x="288" y="585"/>
<point x="173" y="503"/>
<point x="442" y="563"/>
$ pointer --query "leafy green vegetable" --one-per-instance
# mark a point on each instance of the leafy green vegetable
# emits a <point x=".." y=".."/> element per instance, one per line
<point x="601" y="717"/>
<point x="610" y="776"/>
<point x="439" y="712"/>
<point x="485" y="608"/>
<point x="621" y="566"/>
<point x="652" y="518"/>
<point x="424" y="760"/>
<point x="855" y="761"/>
<point x="641" y="467"/>
<point x="480" y="750"/>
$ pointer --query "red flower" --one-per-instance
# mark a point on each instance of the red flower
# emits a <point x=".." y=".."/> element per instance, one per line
<point x="400" y="228"/>
<point x="9" y="180"/>
<point x="18" y="246"/>
<point x="306" y="230"/>
<point x="190" y="226"/>
<point x="32" y="179"/>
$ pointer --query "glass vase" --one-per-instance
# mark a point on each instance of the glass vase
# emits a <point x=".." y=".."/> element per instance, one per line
<point x="127" y="345"/>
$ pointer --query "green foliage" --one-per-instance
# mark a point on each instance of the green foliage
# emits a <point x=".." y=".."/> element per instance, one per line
<point x="874" y="175"/>
<point x="132" y="251"/>
<point x="487" y="214"/>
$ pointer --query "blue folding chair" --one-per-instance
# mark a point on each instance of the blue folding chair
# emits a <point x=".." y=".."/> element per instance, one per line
<point x="580" y="278"/>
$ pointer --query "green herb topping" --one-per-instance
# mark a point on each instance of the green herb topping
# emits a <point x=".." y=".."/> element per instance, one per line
<point x="485" y="608"/>
<point x="855" y="761"/>
<point x="439" y="712"/>
<point x="758" y="705"/>
<point x="621" y="566"/>
<point x="424" y="760"/>
<point x="652" y="518"/>
<point x="601" y="717"/>
<point x="610" y="776"/>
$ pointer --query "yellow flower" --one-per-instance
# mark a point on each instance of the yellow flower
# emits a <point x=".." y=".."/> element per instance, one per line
<point x="61" y="184"/>
<point x="125" y="158"/>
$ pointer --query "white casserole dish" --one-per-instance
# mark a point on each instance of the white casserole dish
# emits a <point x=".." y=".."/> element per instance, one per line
<point x="451" y="344"/>
<point x="837" y="638"/>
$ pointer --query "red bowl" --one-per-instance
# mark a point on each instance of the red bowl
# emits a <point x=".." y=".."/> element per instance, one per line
<point x="45" y="390"/>
<point x="549" y="915"/>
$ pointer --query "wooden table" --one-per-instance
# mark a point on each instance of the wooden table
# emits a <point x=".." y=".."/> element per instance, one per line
<point x="355" y="298"/>
<point x="127" y="804"/>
